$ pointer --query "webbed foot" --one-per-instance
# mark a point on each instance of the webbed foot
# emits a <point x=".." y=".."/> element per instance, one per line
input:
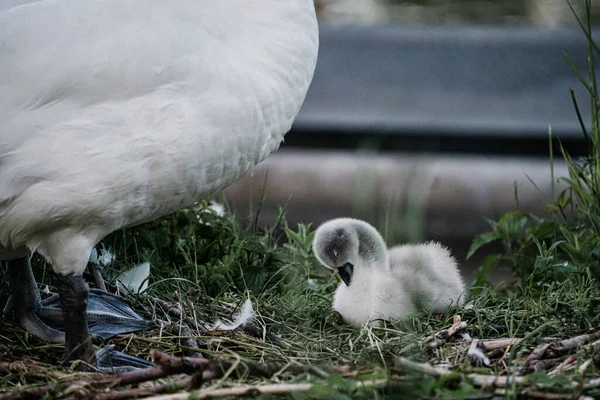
<point x="63" y="318"/>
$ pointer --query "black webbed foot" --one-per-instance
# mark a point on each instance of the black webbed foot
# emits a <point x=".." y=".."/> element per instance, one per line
<point x="108" y="315"/>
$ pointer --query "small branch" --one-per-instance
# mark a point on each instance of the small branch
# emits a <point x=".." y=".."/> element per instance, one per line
<point x="566" y="365"/>
<point x="20" y="366"/>
<point x="143" y="391"/>
<point x="498" y="354"/>
<point x="405" y="363"/>
<point x="535" y="356"/>
<point x="593" y="345"/>
<point x="253" y="391"/>
<point x="457" y="326"/>
<point x="494" y="344"/>
<point x="202" y="369"/>
<point x="491" y="381"/>
<point x="213" y="369"/>
<point x="568" y="344"/>
<point x="482" y="381"/>
<point x="530" y="394"/>
<point x="543" y="365"/>
<point x="37" y="392"/>
<point x="445" y="335"/>
<point x="591" y="384"/>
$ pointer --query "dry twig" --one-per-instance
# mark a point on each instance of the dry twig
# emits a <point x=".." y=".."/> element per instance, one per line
<point x="563" y="346"/>
<point x="534" y="357"/>
<point x="494" y="344"/>
<point x="447" y="334"/>
<point x="143" y="391"/>
<point x="203" y="370"/>
<point x="565" y="365"/>
<point x="531" y="394"/>
<point x="255" y="390"/>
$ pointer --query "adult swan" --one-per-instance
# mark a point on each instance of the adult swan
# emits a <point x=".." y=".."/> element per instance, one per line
<point x="116" y="112"/>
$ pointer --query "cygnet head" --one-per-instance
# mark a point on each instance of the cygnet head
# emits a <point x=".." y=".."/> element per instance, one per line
<point x="345" y="244"/>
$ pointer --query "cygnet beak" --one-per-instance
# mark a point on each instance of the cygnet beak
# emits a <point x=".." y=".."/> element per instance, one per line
<point x="345" y="272"/>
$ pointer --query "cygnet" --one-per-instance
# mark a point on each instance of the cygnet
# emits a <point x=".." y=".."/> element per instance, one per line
<point x="381" y="283"/>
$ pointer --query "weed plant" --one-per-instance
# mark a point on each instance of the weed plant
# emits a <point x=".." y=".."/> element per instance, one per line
<point x="567" y="243"/>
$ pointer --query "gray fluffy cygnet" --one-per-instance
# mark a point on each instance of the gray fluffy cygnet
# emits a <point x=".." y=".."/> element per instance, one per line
<point x="381" y="283"/>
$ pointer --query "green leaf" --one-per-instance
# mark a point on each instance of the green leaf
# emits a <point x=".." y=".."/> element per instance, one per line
<point x="541" y="230"/>
<point x="511" y="224"/>
<point x="481" y="240"/>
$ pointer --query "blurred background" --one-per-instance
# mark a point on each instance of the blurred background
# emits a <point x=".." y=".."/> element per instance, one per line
<point x="546" y="13"/>
<point x="427" y="117"/>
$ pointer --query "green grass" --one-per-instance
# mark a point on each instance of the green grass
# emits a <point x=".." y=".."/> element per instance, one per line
<point x="221" y="262"/>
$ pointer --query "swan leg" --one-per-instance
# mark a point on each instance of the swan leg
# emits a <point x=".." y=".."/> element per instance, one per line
<point x="23" y="292"/>
<point x="73" y="295"/>
<point x="108" y="315"/>
<point x="44" y="318"/>
<point x="24" y="302"/>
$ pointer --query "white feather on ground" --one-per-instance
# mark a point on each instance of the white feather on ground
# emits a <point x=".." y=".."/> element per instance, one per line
<point x="105" y="258"/>
<point x="134" y="280"/>
<point x="476" y="356"/>
<point x="243" y="317"/>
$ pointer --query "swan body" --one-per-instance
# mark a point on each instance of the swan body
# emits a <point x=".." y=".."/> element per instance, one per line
<point x="117" y="112"/>
<point x="113" y="113"/>
<point x="381" y="283"/>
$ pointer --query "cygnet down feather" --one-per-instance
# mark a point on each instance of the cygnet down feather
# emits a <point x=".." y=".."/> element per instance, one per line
<point x="381" y="283"/>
